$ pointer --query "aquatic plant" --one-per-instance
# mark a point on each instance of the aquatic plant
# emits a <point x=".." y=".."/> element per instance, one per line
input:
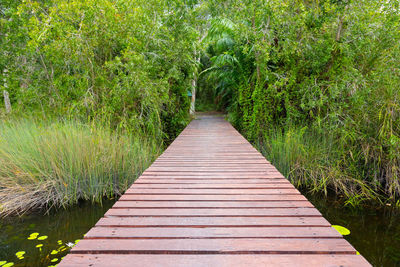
<point x="6" y="264"/>
<point x="341" y="229"/>
<point x="54" y="252"/>
<point x="312" y="160"/>
<point x="58" y="164"/>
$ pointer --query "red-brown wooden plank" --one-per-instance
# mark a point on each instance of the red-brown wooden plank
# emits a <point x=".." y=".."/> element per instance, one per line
<point x="213" y="204"/>
<point x="192" y="169"/>
<point x="218" y="182"/>
<point x="210" y="232"/>
<point x="140" y="185"/>
<point x="221" y="191"/>
<point x="246" y="177"/>
<point x="193" y="212"/>
<point x="221" y="163"/>
<point x="213" y="222"/>
<point x="215" y="246"/>
<point x="101" y="260"/>
<point x="213" y="197"/>
<point x="230" y="174"/>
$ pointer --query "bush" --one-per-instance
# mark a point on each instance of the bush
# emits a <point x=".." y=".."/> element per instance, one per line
<point x="330" y="66"/>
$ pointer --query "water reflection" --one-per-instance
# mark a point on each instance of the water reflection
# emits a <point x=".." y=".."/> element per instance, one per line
<point x="61" y="227"/>
<point x="375" y="232"/>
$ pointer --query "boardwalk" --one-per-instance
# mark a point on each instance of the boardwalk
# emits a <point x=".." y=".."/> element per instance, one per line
<point x="212" y="200"/>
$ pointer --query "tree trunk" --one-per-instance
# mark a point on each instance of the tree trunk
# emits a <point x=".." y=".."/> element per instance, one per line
<point x="339" y="31"/>
<point x="256" y="52"/>
<point x="192" y="103"/>
<point x="7" y="101"/>
<point x="194" y="81"/>
<point x="194" y="84"/>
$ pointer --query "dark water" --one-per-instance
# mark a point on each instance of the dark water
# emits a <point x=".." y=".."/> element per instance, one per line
<point x="65" y="225"/>
<point x="375" y="233"/>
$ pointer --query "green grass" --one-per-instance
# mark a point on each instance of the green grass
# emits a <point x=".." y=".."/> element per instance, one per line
<point x="58" y="164"/>
<point x="316" y="162"/>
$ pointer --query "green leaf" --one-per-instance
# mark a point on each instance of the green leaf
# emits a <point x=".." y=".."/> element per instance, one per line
<point x="342" y="230"/>
<point x="33" y="236"/>
<point x="43" y="237"/>
<point x="20" y="253"/>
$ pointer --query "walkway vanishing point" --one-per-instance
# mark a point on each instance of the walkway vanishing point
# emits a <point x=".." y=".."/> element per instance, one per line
<point x="211" y="199"/>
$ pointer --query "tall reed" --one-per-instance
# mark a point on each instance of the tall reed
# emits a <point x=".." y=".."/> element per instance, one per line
<point x="317" y="162"/>
<point x="58" y="164"/>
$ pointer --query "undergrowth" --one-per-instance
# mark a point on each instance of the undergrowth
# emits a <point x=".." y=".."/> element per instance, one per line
<point x="60" y="163"/>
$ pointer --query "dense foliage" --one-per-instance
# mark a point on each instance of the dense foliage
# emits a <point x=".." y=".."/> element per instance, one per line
<point x="119" y="70"/>
<point x="316" y="80"/>
<point x="128" y="63"/>
<point x="313" y="83"/>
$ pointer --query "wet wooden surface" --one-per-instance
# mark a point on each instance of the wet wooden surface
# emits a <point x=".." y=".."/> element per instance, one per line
<point x="212" y="200"/>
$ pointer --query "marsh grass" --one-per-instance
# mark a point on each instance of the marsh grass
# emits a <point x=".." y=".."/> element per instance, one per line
<point x="316" y="162"/>
<point x="58" y="164"/>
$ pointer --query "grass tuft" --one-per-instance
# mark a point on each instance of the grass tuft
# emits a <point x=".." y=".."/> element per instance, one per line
<point x="58" y="164"/>
<point x="316" y="162"/>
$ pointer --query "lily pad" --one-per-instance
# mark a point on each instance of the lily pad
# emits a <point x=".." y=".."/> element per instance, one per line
<point x="33" y="236"/>
<point x="342" y="230"/>
<point x="20" y="253"/>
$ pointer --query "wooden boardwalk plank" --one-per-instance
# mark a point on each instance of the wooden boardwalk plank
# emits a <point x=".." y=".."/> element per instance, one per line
<point x="193" y="212"/>
<point x="218" y="182"/>
<point x="211" y="199"/>
<point x="212" y="222"/>
<point x="215" y="246"/>
<point x="212" y="204"/>
<point x="172" y="185"/>
<point x="210" y="232"/>
<point x="276" y="197"/>
<point x="221" y="191"/>
<point x="201" y="176"/>
<point x="101" y="260"/>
